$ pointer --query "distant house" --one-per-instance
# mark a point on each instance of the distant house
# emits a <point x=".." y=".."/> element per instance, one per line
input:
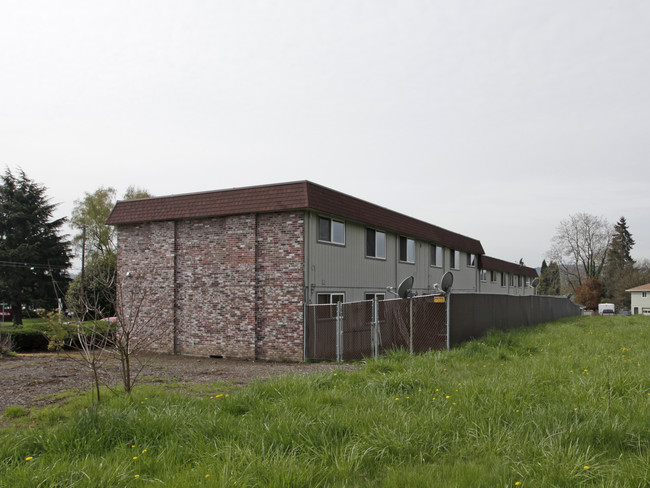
<point x="640" y="299"/>
<point x="233" y="270"/>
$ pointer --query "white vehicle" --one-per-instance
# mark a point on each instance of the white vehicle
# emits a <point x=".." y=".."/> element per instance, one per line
<point x="606" y="309"/>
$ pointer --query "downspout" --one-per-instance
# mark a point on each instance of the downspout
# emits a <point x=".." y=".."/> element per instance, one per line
<point x="306" y="284"/>
<point x="175" y="291"/>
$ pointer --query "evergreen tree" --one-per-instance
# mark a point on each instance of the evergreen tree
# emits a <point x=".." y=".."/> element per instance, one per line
<point x="33" y="256"/>
<point x="620" y="272"/>
<point x="621" y="245"/>
<point x="554" y="279"/>
<point x="549" y="279"/>
<point x="542" y="288"/>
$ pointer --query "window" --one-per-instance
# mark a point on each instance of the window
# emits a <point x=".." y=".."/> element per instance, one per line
<point x="493" y="276"/>
<point x="328" y="298"/>
<point x="436" y="256"/>
<point x="644" y="294"/>
<point x="375" y="244"/>
<point x="504" y="279"/>
<point x="406" y="249"/>
<point x="519" y="281"/>
<point x="454" y="259"/>
<point x="371" y="296"/>
<point x="330" y="230"/>
<point x="483" y="275"/>
<point x="513" y="280"/>
<point x="471" y="260"/>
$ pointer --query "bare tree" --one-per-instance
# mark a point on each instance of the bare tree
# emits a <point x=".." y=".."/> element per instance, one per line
<point x="580" y="247"/>
<point x="137" y="328"/>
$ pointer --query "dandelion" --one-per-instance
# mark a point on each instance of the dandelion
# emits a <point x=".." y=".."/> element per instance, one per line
<point x="447" y="397"/>
<point x="137" y="476"/>
<point x="517" y="483"/>
<point x="143" y="451"/>
<point x="135" y="457"/>
<point x="219" y="395"/>
<point x="29" y="458"/>
<point x="396" y="399"/>
<point x="586" y="467"/>
<point x="207" y="475"/>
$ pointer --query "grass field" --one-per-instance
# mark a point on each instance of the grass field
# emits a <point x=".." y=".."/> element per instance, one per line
<point x="564" y="404"/>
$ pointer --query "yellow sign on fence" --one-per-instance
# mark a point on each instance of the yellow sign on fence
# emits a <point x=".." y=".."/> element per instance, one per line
<point x="438" y="299"/>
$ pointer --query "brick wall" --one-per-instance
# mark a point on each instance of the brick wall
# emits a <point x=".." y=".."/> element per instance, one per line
<point x="239" y="282"/>
<point x="146" y="254"/>
<point x="280" y="286"/>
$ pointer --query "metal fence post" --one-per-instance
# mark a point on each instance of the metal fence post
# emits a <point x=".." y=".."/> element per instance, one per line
<point x="448" y="324"/>
<point x="411" y="325"/>
<point x="339" y="332"/>
<point x="374" y="327"/>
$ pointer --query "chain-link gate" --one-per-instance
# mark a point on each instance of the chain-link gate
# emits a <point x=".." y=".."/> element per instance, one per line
<point x="352" y="331"/>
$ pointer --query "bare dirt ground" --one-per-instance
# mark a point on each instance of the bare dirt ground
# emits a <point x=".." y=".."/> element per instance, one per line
<point x="28" y="379"/>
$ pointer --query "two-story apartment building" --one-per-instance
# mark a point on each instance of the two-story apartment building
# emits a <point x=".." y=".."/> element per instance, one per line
<point x="233" y="269"/>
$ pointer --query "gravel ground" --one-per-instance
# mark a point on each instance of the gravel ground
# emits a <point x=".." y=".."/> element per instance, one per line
<point x="28" y="379"/>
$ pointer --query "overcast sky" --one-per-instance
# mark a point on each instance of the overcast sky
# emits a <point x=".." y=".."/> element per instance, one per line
<point x="494" y="119"/>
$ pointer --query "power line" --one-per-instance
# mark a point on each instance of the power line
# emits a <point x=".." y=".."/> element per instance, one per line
<point x="16" y="264"/>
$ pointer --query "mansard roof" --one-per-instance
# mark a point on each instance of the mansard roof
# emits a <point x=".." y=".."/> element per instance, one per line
<point x="495" y="264"/>
<point x="282" y="197"/>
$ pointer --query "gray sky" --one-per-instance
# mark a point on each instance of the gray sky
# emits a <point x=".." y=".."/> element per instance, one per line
<point x="493" y="119"/>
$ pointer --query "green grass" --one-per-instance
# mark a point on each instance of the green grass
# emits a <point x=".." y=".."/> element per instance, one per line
<point x="564" y="404"/>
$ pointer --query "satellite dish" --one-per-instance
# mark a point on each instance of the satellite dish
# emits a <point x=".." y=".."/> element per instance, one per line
<point x="447" y="281"/>
<point x="404" y="288"/>
<point x="534" y="283"/>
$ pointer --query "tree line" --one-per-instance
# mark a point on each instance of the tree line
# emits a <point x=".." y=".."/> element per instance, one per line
<point x="35" y="255"/>
<point x="591" y="260"/>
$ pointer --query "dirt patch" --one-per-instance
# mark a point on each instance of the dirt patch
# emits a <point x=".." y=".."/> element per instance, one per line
<point x="26" y="379"/>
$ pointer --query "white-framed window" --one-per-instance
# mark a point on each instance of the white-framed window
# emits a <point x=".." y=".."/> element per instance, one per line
<point x="330" y="230"/>
<point x="513" y="280"/>
<point x="375" y="244"/>
<point x="644" y="294"/>
<point x="330" y="298"/>
<point x="493" y="276"/>
<point x="454" y="259"/>
<point x="519" y="281"/>
<point x="527" y="282"/>
<point x="372" y="296"/>
<point x="483" y="274"/>
<point x="471" y="260"/>
<point x="406" y="249"/>
<point x="504" y="279"/>
<point x="436" y="256"/>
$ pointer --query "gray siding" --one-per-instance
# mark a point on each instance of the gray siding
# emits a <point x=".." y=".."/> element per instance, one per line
<point x="333" y="268"/>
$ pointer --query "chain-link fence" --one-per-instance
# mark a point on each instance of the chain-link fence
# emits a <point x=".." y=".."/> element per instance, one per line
<point x="351" y="331"/>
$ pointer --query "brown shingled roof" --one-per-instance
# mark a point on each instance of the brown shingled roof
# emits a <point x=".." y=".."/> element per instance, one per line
<point x="495" y="264"/>
<point x="302" y="195"/>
